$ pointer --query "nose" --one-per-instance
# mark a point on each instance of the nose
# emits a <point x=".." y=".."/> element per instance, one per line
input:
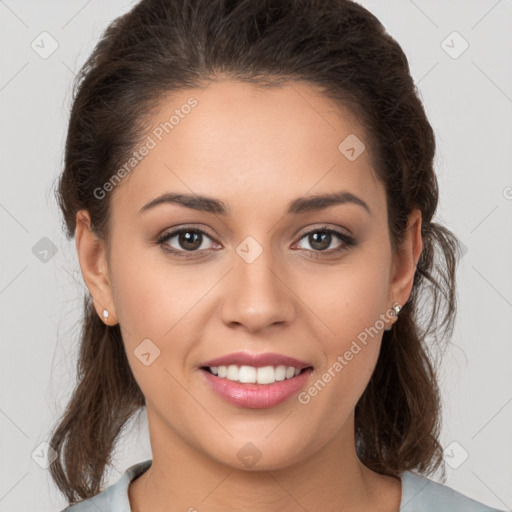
<point x="256" y="295"/>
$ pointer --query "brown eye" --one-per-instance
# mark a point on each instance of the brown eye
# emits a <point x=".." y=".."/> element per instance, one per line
<point x="189" y="240"/>
<point x="321" y="239"/>
<point x="183" y="241"/>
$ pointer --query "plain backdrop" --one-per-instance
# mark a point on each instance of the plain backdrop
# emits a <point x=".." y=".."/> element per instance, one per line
<point x="467" y="93"/>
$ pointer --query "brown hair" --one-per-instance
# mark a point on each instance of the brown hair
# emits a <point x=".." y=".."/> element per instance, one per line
<point x="162" y="46"/>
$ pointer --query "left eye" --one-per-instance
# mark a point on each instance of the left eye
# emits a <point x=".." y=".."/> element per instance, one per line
<point x="321" y="239"/>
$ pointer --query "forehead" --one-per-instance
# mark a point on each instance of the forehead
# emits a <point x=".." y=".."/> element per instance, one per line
<point x="247" y="144"/>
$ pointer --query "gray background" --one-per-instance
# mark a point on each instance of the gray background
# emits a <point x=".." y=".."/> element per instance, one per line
<point x="469" y="103"/>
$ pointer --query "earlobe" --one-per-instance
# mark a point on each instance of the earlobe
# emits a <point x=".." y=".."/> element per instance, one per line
<point x="91" y="253"/>
<point x="406" y="260"/>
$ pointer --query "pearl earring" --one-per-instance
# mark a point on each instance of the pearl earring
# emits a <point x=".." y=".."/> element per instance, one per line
<point x="105" y="314"/>
<point x="396" y="307"/>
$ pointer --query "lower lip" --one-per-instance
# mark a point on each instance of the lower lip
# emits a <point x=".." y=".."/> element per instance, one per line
<point x="256" y="396"/>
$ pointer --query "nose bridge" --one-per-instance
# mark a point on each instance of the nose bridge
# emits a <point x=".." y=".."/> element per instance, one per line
<point x="256" y="295"/>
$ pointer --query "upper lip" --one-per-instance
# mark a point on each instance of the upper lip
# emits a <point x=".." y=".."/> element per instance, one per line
<point x="256" y="360"/>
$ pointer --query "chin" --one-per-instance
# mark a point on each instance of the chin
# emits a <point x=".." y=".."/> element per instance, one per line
<point x="263" y="455"/>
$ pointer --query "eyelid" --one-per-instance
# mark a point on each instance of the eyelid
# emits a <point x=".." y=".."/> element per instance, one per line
<point x="172" y="232"/>
<point x="322" y="227"/>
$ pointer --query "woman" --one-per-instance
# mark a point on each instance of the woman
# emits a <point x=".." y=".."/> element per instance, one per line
<point x="252" y="192"/>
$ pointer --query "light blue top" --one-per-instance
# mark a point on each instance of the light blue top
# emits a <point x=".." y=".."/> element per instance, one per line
<point x="419" y="494"/>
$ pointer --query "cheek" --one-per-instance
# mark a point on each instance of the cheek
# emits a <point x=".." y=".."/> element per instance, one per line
<point x="349" y="302"/>
<point x="350" y="297"/>
<point x="156" y="301"/>
<point x="150" y="295"/>
<point x="152" y="309"/>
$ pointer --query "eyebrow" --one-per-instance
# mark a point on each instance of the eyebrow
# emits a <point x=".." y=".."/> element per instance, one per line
<point x="295" y="207"/>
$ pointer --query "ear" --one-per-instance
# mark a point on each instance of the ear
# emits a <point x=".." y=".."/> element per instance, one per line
<point x="405" y="262"/>
<point x="93" y="263"/>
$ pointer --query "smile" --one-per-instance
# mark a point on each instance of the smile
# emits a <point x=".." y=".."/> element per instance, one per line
<point x="255" y="381"/>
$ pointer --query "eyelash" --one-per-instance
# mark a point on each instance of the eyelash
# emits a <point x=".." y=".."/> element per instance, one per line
<point x="347" y="240"/>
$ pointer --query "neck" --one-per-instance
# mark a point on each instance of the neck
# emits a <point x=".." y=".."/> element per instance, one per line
<point x="183" y="479"/>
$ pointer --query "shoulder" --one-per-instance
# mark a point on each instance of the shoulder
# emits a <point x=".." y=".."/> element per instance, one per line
<point x="420" y="494"/>
<point x="113" y="498"/>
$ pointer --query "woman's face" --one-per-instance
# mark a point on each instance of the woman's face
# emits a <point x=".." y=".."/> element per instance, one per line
<point x="266" y="277"/>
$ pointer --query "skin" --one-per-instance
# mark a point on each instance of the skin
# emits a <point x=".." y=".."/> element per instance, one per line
<point x="255" y="149"/>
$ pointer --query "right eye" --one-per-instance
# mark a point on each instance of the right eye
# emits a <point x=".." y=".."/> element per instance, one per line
<point x="190" y="239"/>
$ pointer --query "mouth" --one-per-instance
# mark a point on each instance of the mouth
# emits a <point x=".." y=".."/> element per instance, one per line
<point x="255" y="381"/>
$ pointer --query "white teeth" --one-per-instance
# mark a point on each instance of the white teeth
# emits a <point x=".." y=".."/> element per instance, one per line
<point x="250" y="374"/>
<point x="233" y="372"/>
<point x="247" y="374"/>
<point x="280" y="372"/>
<point x="266" y="375"/>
